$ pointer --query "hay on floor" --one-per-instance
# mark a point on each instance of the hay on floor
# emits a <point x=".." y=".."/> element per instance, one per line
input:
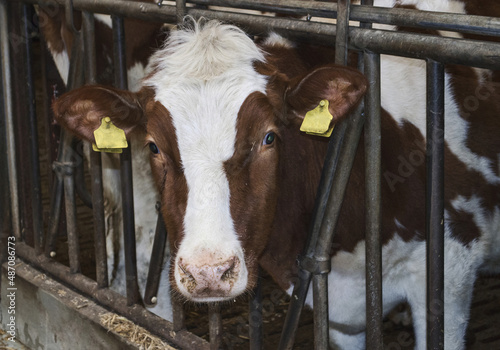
<point x="133" y="333"/>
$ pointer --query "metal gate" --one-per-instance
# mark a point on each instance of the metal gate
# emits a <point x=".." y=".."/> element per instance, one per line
<point x="19" y="151"/>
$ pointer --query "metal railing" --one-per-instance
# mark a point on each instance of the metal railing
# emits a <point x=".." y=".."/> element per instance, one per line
<point x="315" y="264"/>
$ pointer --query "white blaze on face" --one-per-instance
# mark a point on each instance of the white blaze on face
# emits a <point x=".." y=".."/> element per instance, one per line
<point x="203" y="78"/>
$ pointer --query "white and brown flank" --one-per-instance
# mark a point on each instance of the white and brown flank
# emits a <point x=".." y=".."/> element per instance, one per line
<point x="237" y="179"/>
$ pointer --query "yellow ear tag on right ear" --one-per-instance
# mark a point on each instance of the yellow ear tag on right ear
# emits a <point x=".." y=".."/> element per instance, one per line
<point x="317" y="121"/>
<point x="109" y="138"/>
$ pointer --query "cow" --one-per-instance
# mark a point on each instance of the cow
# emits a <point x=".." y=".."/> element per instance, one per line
<point x="237" y="178"/>
<point x="142" y="39"/>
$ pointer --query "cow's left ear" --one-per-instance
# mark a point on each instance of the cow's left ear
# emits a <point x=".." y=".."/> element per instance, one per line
<point x="81" y="110"/>
<point x="342" y="86"/>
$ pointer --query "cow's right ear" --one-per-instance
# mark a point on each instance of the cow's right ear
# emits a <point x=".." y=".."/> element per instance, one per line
<point x="82" y="109"/>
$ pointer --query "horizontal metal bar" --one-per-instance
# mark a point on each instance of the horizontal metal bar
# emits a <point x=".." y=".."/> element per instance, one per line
<point x="466" y="52"/>
<point x="442" y="49"/>
<point x="470" y="24"/>
<point x="113" y="300"/>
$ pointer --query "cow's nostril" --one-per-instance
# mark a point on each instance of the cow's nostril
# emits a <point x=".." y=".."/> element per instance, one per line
<point x="230" y="271"/>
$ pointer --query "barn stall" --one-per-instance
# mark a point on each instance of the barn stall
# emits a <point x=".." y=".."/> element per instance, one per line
<point x="60" y="243"/>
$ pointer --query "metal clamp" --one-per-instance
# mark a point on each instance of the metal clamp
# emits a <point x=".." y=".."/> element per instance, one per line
<point x="315" y="266"/>
<point x="63" y="168"/>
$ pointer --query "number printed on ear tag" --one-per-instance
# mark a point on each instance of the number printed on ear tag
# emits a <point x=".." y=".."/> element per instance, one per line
<point x="109" y="138"/>
<point x="318" y="121"/>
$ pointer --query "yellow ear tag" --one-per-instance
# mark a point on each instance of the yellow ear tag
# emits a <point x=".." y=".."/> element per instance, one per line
<point x="109" y="138"/>
<point x="317" y="122"/>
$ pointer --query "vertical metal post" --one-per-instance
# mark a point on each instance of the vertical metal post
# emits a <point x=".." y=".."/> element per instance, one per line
<point x="9" y="119"/>
<point x="340" y="154"/>
<point x="255" y="318"/>
<point x="341" y="40"/>
<point x="36" y="196"/>
<point x="215" y="326"/>
<point x="180" y="10"/>
<point x="435" y="205"/>
<point x="322" y="251"/>
<point x="178" y="313"/>
<point x="88" y="29"/>
<point x="156" y="261"/>
<point x="5" y="224"/>
<point x="374" y="313"/>
<point x="67" y="167"/>
<point x="133" y="295"/>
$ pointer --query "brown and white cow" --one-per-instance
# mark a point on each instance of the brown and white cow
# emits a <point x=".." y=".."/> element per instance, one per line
<point x="237" y="178"/>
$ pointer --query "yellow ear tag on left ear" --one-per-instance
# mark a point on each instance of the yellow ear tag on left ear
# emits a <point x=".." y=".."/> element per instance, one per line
<point x="109" y="138"/>
<point x="317" y="122"/>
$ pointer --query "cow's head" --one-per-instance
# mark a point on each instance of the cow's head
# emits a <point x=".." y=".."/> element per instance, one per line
<point x="214" y="110"/>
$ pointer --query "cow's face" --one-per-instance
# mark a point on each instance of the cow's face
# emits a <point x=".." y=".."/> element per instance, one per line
<point x="214" y="125"/>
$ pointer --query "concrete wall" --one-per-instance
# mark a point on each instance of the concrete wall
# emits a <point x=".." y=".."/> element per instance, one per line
<point x="50" y="316"/>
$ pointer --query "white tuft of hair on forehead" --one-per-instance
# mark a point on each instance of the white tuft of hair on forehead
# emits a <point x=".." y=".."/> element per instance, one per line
<point x="221" y="47"/>
<point x="202" y="77"/>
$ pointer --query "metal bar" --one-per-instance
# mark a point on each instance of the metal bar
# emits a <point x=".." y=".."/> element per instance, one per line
<point x="21" y="127"/>
<point x="320" y="301"/>
<point x="395" y="16"/>
<point x="435" y="205"/>
<point x="322" y="254"/>
<point x="66" y="167"/>
<point x="113" y="300"/>
<point x="374" y="312"/>
<point x="304" y="276"/>
<point x="80" y="187"/>
<point x="443" y="49"/>
<point x="341" y="40"/>
<point x="5" y="224"/>
<point x="465" y="52"/>
<point x="215" y="326"/>
<point x="156" y="261"/>
<point x="101" y="257"/>
<point x="178" y="313"/>
<point x="36" y="195"/>
<point x="95" y="161"/>
<point x="180" y="6"/>
<point x="133" y="295"/>
<point x="9" y="120"/>
<point x="55" y="213"/>
<point x="471" y="24"/>
<point x="255" y="318"/>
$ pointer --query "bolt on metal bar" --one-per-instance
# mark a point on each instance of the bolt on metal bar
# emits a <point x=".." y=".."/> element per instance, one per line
<point x="9" y="119"/>
<point x="435" y="205"/>
<point x="374" y="312"/>
<point x="133" y="295"/>
<point x="36" y="195"/>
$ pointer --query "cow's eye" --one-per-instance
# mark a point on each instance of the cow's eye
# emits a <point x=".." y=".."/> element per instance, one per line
<point x="153" y="148"/>
<point x="269" y="138"/>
